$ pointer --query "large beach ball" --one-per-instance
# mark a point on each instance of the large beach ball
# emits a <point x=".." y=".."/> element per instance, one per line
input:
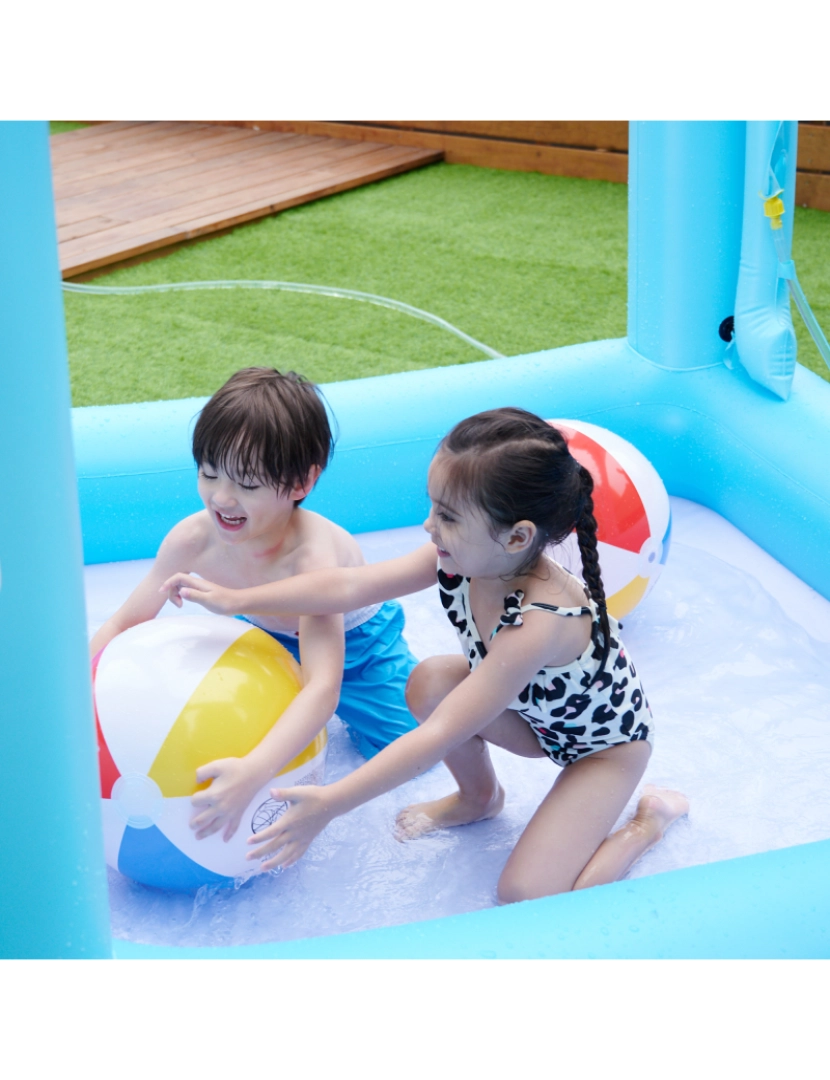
<point x="631" y="507"/>
<point x="173" y="694"/>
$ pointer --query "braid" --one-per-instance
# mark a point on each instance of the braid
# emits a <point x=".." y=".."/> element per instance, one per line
<point x="586" y="535"/>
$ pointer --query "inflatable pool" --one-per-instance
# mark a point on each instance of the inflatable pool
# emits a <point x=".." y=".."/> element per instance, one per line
<point x="733" y="424"/>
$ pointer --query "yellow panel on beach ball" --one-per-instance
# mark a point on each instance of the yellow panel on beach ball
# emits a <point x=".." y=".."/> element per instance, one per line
<point x="627" y="598"/>
<point x="233" y="708"/>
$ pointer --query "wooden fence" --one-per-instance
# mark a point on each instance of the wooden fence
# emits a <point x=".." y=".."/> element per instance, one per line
<point x="594" y="150"/>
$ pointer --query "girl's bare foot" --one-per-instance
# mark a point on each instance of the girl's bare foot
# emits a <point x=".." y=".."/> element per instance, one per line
<point x="657" y="809"/>
<point x="455" y="809"/>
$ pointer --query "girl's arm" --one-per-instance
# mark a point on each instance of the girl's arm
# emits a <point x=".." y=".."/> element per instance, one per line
<point x="515" y="656"/>
<point x="319" y="592"/>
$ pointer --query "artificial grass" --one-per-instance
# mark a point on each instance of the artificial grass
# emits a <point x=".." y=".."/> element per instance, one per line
<point x="58" y="126"/>
<point x="520" y="261"/>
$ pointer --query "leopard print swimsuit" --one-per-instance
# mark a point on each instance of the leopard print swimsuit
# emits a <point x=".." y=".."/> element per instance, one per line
<point x="572" y="712"/>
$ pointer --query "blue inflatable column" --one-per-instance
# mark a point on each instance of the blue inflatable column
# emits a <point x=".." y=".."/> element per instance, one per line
<point x="54" y="900"/>
<point x="686" y="183"/>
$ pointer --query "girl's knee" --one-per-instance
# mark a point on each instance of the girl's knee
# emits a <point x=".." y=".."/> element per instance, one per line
<point x="513" y="891"/>
<point x="514" y="887"/>
<point x="510" y="892"/>
<point x="430" y="682"/>
<point x="417" y="691"/>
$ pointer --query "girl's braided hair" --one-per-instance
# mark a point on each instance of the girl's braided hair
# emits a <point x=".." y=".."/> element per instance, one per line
<point x="515" y="466"/>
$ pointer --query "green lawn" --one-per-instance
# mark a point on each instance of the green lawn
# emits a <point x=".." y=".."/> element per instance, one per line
<point x="57" y="126"/>
<point x="520" y="261"/>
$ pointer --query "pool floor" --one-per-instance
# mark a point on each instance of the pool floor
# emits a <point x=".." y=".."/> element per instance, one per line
<point x="734" y="653"/>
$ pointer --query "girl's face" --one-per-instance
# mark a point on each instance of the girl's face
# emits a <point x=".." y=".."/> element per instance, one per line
<point x="465" y="536"/>
<point x="244" y="510"/>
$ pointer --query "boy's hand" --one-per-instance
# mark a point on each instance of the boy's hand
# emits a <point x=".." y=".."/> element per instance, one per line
<point x="224" y="802"/>
<point x="287" y="839"/>
<point x="215" y="598"/>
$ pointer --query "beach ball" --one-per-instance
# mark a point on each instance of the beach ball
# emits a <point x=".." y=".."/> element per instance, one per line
<point x="173" y="694"/>
<point x="631" y="507"/>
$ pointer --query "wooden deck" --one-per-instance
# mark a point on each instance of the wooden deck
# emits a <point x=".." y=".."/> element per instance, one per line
<point x="591" y="149"/>
<point x="125" y="189"/>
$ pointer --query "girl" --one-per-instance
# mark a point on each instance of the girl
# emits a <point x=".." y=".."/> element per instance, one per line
<point x="544" y="672"/>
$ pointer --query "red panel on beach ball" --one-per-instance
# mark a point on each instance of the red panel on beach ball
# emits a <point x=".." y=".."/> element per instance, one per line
<point x="618" y="508"/>
<point x="107" y="767"/>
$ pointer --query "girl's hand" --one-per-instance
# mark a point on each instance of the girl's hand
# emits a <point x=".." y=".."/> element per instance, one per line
<point x="224" y="802"/>
<point x="287" y="839"/>
<point x="215" y="598"/>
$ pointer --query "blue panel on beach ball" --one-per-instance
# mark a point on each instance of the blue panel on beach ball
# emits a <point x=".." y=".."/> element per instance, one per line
<point x="147" y="855"/>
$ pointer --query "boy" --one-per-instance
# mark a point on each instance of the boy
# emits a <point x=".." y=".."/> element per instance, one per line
<point x="260" y="444"/>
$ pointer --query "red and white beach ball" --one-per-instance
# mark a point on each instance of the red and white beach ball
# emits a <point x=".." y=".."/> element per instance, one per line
<point x="631" y="507"/>
<point x="171" y="695"/>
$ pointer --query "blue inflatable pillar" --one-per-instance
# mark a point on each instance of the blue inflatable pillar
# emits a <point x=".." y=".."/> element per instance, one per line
<point x="54" y="900"/>
<point x="686" y="185"/>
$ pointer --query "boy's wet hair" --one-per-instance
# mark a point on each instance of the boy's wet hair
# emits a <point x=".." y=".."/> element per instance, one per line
<point x="264" y="426"/>
<point x="514" y="466"/>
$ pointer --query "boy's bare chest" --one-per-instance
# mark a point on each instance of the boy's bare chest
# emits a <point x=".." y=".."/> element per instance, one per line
<point x="218" y="566"/>
<point x="235" y="573"/>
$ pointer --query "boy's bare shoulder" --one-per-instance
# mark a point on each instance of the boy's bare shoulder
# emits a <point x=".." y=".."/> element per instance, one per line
<point x="189" y="539"/>
<point x="322" y="544"/>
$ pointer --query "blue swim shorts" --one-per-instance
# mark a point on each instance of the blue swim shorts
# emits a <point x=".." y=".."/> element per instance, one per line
<point x="377" y="665"/>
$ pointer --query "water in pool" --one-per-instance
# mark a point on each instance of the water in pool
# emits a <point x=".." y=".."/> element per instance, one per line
<point x="734" y="652"/>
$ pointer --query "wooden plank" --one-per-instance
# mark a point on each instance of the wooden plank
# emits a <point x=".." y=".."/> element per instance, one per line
<point x="587" y="134"/>
<point x="172" y="237"/>
<point x="812" y="190"/>
<point x="490" y="153"/>
<point x="124" y="154"/>
<point x="155" y="171"/>
<point x="158" y="200"/>
<point x="219" y="208"/>
<point x="72" y="230"/>
<point x="168" y="231"/>
<point x="137" y="190"/>
<point x="107" y="139"/>
<point x="118" y="244"/>
<point x="66" y="142"/>
<point x="126" y="132"/>
<point x="147" y="172"/>
<point x="814" y="148"/>
<point x="328" y="180"/>
<point x="553" y="160"/>
<point x="229" y="182"/>
<point x="114" y="158"/>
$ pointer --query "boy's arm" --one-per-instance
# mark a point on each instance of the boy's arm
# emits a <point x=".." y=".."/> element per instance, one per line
<point x="235" y="781"/>
<point x="181" y="546"/>
<point x="318" y="592"/>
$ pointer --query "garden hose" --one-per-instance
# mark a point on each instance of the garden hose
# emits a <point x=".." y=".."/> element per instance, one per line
<point x="287" y="286"/>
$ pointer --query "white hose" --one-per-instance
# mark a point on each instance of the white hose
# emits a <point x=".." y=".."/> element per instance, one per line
<point x="786" y="269"/>
<point x="287" y="286"/>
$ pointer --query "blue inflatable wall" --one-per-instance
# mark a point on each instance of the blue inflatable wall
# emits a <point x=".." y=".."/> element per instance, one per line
<point x="53" y="901"/>
<point x="717" y="431"/>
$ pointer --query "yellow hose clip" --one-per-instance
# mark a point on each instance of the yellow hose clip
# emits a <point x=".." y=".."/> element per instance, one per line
<point x="773" y="209"/>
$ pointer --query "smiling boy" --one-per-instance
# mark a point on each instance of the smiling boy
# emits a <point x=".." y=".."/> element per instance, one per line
<point x="260" y="444"/>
